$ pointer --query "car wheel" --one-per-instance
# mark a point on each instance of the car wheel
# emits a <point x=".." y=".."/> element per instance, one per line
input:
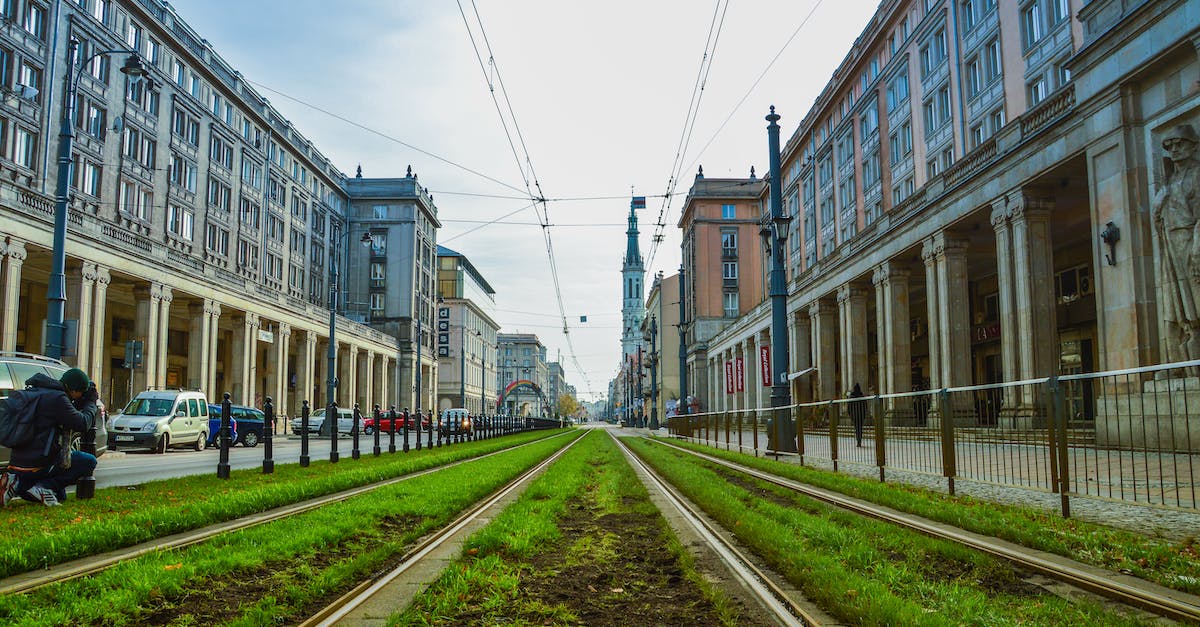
<point x="163" y="443"/>
<point x="201" y="440"/>
<point x="250" y="439"/>
<point x="368" y="430"/>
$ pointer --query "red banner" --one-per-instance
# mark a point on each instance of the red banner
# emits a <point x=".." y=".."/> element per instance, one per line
<point x="764" y="358"/>
<point x="739" y="374"/>
<point x="729" y="377"/>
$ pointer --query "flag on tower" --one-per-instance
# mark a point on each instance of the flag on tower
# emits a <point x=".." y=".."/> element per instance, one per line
<point x="639" y="202"/>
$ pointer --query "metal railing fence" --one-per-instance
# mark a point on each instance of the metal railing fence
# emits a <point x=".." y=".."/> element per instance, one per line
<point x="1127" y="435"/>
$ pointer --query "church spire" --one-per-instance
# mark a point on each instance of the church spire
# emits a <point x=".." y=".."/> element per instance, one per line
<point x="633" y="255"/>
<point x="633" y="274"/>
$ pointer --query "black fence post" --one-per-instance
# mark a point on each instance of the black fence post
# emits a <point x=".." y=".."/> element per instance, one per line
<point x="378" y="425"/>
<point x="417" y="424"/>
<point x="432" y="427"/>
<point x="354" y="451"/>
<point x="331" y="419"/>
<point x="268" y="438"/>
<point x="392" y="430"/>
<point x="223" y="434"/>
<point x="304" y="459"/>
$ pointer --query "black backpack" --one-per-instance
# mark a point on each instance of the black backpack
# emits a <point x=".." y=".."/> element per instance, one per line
<point x="18" y="415"/>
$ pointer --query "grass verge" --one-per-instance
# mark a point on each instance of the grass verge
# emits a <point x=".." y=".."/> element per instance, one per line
<point x="274" y="573"/>
<point x="865" y="571"/>
<point x="1170" y="564"/>
<point x="583" y="545"/>
<point x="38" y="537"/>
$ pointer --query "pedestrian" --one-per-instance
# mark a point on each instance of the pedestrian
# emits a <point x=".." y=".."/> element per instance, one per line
<point x="858" y="413"/>
<point x="41" y="471"/>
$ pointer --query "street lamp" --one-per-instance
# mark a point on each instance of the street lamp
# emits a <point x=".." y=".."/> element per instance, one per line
<point x="781" y="397"/>
<point x="654" y="373"/>
<point x="332" y="381"/>
<point x="56" y="291"/>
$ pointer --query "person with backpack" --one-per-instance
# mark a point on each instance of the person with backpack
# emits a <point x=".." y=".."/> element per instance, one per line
<point x="41" y="419"/>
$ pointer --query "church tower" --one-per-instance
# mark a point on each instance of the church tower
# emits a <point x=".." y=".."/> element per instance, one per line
<point x="633" y="274"/>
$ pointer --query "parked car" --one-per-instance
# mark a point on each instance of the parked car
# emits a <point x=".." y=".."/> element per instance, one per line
<point x="247" y="424"/>
<point x="345" y="421"/>
<point x="214" y="427"/>
<point x="16" y="368"/>
<point x="160" y="419"/>
<point x="454" y="421"/>
<point x="385" y="423"/>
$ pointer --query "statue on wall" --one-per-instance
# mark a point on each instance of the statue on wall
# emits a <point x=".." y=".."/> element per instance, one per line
<point x="1176" y="216"/>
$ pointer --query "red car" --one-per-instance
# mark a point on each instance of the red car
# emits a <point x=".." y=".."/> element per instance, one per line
<point x="385" y="423"/>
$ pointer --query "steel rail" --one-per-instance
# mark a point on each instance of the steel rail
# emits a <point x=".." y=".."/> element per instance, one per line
<point x="1140" y="593"/>
<point x="82" y="567"/>
<point x="773" y="597"/>
<point x="363" y="592"/>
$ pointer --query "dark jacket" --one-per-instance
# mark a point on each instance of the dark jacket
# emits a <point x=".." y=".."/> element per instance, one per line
<point x="55" y="414"/>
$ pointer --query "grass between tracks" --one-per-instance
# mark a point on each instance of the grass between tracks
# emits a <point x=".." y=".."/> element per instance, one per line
<point x="1170" y="564"/>
<point x="275" y="573"/>
<point x="862" y="570"/>
<point x="37" y="537"/>
<point x="583" y="545"/>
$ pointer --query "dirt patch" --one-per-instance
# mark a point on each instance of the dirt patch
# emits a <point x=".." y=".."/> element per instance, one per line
<point x="755" y="488"/>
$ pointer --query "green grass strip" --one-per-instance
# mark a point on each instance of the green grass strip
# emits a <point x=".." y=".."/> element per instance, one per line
<point x="862" y="570"/>
<point x="292" y="564"/>
<point x="37" y="537"/>
<point x="485" y="585"/>
<point x="1170" y="564"/>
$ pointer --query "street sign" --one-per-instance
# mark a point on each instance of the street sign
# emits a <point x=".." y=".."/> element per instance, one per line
<point x="133" y="354"/>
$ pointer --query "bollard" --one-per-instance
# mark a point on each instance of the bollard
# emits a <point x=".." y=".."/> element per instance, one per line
<point x="223" y="435"/>
<point x="268" y="446"/>
<point x="392" y="430"/>
<point x="437" y="425"/>
<point x="417" y="424"/>
<point x="331" y="419"/>
<point x="304" y="459"/>
<point x="85" y="487"/>
<point x="378" y="425"/>
<point x="354" y="452"/>
<point x="431" y="428"/>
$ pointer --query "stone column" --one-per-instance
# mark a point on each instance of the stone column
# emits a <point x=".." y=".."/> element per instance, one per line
<point x="14" y="258"/>
<point x="283" y="339"/>
<point x="852" y="305"/>
<point x="80" y="289"/>
<point x="801" y="357"/>
<point x="100" y="343"/>
<point x="213" y="310"/>
<point x="954" y="310"/>
<point x="239" y="367"/>
<point x="146" y="328"/>
<point x="1009" y="334"/>
<point x="1033" y="270"/>
<point x="254" y="323"/>
<point x="824" y="356"/>
<point x="893" y="336"/>
<point x="366" y="397"/>
<point x="305" y="370"/>
<point x="932" y="309"/>
<point x="164" y="323"/>
<point x="199" y="331"/>
<point x="349" y="368"/>
<point x="751" y="368"/>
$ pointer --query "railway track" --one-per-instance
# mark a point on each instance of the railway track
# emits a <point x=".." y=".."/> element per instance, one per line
<point x="1125" y="589"/>
<point x="770" y="594"/>
<point x="28" y="582"/>
<point x="342" y="609"/>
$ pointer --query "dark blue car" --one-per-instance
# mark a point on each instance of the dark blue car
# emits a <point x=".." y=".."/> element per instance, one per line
<point x="246" y="423"/>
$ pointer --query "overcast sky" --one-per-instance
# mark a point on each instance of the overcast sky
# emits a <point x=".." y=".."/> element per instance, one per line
<point x="600" y="92"/>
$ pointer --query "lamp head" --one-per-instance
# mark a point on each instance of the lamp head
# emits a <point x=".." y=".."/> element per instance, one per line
<point x="367" y="241"/>
<point x="134" y="67"/>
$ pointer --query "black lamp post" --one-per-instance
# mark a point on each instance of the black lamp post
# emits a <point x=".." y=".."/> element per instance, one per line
<point x="682" y="410"/>
<point x="56" y="290"/>
<point x="654" y="373"/>
<point x="331" y="414"/>
<point x="781" y="396"/>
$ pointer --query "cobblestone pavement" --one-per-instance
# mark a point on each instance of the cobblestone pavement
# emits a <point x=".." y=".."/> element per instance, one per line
<point x="1019" y="474"/>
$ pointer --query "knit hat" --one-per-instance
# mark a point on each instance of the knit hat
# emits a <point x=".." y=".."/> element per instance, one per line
<point x="75" y="380"/>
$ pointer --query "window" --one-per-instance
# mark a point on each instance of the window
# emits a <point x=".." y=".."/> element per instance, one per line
<point x="870" y="169"/>
<point x="317" y="254"/>
<point x="25" y="148"/>
<point x="30" y="76"/>
<point x="179" y="221"/>
<point x="273" y="267"/>
<point x="1035" y="91"/>
<point x="298" y="241"/>
<point x="974" y="77"/>
<point x="90" y="117"/>
<point x="997" y="119"/>
<point x="275" y="228"/>
<point x="730" y="304"/>
<point x="847" y="196"/>
<point x="153" y="51"/>
<point x="178" y="72"/>
<point x="1062" y="74"/>
<point x="252" y="172"/>
<point x="947" y="158"/>
<point x="376" y="303"/>
<point x="185" y="126"/>
<point x="968" y="14"/>
<point x="943" y="104"/>
<point x="729" y="243"/>
<point x="146" y="99"/>
<point x="35" y="21"/>
<point x="86" y="175"/>
<point x="133" y="35"/>
<point x="220" y="195"/>
<point x="216" y="239"/>
<point x="247" y="255"/>
<point x="902" y="190"/>
<point x="195" y="85"/>
<point x="378" y="244"/>
<point x="221" y="152"/>
<point x="182" y="173"/>
<point x="933" y="52"/>
<point x="932" y="168"/>
<point x="299" y="207"/>
<point x="96" y="65"/>
<point x="380" y="212"/>
<point x="135" y="200"/>
<point x="100" y="10"/>
<point x="729" y="270"/>
<point x="1059" y="11"/>
<point x="897" y="91"/>
<point x="869" y="122"/>
<point x="1072" y="283"/>
<point x="1031" y="25"/>
<point x="977" y="134"/>
<point x="249" y="213"/>
<point x="377" y="274"/>
<point x="900" y="142"/>
<point x="276" y="191"/>
<point x="728" y="212"/>
<point x="991" y="61"/>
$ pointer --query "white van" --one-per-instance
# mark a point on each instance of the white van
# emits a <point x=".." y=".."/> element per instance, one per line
<point x="160" y="419"/>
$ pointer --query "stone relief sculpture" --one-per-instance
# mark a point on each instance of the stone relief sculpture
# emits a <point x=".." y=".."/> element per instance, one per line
<point x="1176" y="214"/>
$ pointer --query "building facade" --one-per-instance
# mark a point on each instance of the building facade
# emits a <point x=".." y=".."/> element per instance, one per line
<point x="662" y="328"/>
<point x="201" y="222"/>
<point x="524" y="375"/>
<point x="466" y="335"/>
<point x="722" y="269"/>
<point x="973" y="199"/>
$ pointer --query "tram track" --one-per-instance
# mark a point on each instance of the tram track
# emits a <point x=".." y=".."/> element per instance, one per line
<point x="762" y="585"/>
<point x="344" y="607"/>
<point x="91" y="565"/>
<point x="1125" y="589"/>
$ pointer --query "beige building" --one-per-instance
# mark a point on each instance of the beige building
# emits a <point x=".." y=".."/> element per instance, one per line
<point x="466" y="330"/>
<point x="972" y="197"/>
<point x="201" y="222"/>
<point x="662" y="307"/>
